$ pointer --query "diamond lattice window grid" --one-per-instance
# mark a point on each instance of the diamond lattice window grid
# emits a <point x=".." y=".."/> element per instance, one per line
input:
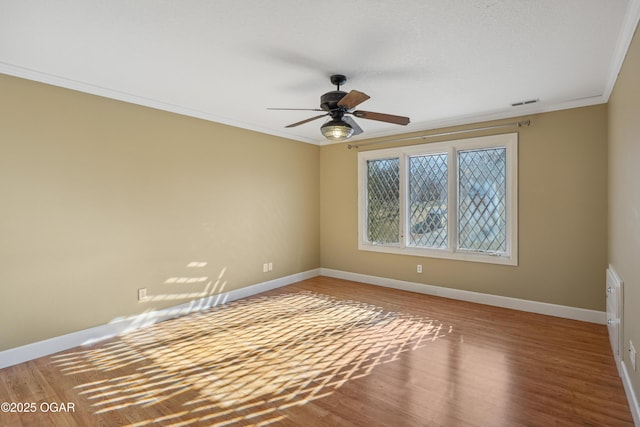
<point x="428" y="193"/>
<point x="482" y="200"/>
<point x="383" y="200"/>
<point x="453" y="199"/>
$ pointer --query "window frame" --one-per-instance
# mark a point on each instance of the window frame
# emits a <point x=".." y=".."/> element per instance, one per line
<point x="508" y="141"/>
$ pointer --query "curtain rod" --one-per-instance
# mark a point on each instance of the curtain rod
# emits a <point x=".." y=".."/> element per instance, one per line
<point x="513" y="124"/>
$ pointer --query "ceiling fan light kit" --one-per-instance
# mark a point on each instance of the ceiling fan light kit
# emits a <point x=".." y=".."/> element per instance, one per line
<point x="337" y="104"/>
<point x="336" y="130"/>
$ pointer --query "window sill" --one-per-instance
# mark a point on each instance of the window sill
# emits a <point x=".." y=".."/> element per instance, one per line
<point x="487" y="258"/>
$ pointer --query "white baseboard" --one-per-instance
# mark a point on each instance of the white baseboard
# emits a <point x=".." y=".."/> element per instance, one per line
<point x="117" y="326"/>
<point x="631" y="395"/>
<point x="574" y="313"/>
<point x="49" y="346"/>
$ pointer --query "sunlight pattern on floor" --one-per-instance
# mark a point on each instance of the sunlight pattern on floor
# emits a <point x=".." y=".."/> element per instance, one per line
<point x="247" y="360"/>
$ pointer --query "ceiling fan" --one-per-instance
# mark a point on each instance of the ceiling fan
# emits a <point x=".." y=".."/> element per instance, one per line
<point x="337" y="104"/>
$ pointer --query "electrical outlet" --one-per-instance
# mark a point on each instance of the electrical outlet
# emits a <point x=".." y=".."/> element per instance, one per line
<point x="142" y="294"/>
<point x="270" y="266"/>
<point x="265" y="267"/>
<point x="632" y="355"/>
<point x="419" y="268"/>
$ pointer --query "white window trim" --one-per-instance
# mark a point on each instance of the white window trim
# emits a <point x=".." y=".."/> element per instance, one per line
<point x="508" y="141"/>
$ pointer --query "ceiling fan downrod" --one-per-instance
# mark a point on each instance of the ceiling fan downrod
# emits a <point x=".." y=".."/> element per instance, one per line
<point x="338" y="80"/>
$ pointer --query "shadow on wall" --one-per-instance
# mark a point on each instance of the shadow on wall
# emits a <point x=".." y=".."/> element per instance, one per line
<point x="210" y="287"/>
<point x="245" y="361"/>
<point x="211" y="294"/>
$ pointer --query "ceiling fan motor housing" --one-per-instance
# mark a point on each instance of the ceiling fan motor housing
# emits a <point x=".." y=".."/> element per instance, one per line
<point x="329" y="101"/>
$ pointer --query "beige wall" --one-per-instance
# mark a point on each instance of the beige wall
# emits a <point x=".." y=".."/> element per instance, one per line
<point x="100" y="198"/>
<point x="562" y="218"/>
<point x="624" y="196"/>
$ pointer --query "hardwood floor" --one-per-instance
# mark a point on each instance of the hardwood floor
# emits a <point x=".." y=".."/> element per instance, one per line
<point x="328" y="352"/>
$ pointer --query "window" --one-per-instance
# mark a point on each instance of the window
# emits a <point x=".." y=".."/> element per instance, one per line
<point x="454" y="199"/>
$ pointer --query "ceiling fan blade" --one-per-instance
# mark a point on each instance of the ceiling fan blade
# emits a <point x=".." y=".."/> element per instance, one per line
<point x="357" y="130"/>
<point x="292" y="125"/>
<point x="352" y="99"/>
<point x="295" y="109"/>
<point x="389" y="118"/>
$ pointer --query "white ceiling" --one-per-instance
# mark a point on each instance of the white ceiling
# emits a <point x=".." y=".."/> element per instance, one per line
<point x="438" y="62"/>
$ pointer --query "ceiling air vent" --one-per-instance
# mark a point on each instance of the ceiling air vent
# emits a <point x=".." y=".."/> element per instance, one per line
<point x="531" y="101"/>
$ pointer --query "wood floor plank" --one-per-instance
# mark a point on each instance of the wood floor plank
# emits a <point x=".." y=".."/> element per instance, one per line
<point x="330" y="352"/>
